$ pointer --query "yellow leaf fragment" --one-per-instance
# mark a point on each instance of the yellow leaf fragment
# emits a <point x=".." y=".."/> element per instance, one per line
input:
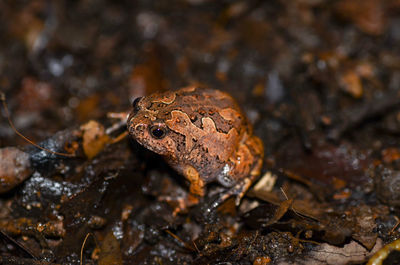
<point x="94" y="138"/>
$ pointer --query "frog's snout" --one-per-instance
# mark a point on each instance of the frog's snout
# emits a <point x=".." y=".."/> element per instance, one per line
<point x="132" y="124"/>
<point x="139" y="128"/>
<point x="135" y="128"/>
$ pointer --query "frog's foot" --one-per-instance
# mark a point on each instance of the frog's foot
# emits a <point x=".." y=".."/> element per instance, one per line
<point x="239" y="190"/>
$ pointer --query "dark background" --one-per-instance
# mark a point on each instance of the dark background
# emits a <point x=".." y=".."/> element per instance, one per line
<point x="317" y="78"/>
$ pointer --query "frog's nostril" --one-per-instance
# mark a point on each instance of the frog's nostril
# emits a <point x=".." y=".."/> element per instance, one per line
<point x="139" y="127"/>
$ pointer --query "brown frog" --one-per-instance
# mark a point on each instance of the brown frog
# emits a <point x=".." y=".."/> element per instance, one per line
<point x="202" y="134"/>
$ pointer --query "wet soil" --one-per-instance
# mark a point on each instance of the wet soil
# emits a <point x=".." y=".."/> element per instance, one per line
<point x="318" y="79"/>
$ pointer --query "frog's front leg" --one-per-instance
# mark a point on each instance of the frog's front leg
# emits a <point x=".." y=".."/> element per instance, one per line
<point x="196" y="191"/>
<point x="197" y="185"/>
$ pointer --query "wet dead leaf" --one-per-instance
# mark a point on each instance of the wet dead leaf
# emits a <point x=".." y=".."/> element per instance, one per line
<point x="266" y="182"/>
<point x="282" y="209"/>
<point x="352" y="253"/>
<point x="365" y="226"/>
<point x="94" y="138"/>
<point x="351" y="83"/>
<point x="110" y="252"/>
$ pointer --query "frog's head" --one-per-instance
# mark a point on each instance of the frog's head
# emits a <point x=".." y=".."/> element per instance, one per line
<point x="147" y="127"/>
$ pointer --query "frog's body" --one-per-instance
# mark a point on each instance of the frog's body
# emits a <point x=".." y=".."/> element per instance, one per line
<point x="203" y="134"/>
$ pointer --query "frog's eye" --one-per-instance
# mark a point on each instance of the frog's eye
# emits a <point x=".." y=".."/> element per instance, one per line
<point x="135" y="104"/>
<point x="158" y="131"/>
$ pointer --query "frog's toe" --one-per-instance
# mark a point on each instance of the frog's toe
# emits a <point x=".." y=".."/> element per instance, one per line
<point x="240" y="189"/>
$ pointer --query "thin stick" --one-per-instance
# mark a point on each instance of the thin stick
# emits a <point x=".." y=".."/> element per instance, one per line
<point x="3" y="100"/>
<point x="180" y="240"/>
<point x="83" y="245"/>
<point x="287" y="198"/>
<point x="22" y="247"/>
<point x="396" y="225"/>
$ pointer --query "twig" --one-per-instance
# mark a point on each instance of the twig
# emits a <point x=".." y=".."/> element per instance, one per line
<point x="3" y="100"/>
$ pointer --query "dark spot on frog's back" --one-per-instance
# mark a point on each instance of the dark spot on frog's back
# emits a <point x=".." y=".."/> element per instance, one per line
<point x="157" y="106"/>
<point x="193" y="118"/>
<point x="181" y="144"/>
<point x="222" y="125"/>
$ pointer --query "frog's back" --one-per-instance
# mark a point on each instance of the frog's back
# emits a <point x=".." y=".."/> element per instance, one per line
<point x="199" y="103"/>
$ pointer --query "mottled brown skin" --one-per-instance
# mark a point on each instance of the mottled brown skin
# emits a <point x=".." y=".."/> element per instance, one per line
<point x="203" y="134"/>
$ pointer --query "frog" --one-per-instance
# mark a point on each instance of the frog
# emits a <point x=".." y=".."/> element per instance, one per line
<point x="203" y="135"/>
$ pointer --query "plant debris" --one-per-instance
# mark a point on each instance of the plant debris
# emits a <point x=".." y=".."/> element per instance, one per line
<point x="319" y="81"/>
